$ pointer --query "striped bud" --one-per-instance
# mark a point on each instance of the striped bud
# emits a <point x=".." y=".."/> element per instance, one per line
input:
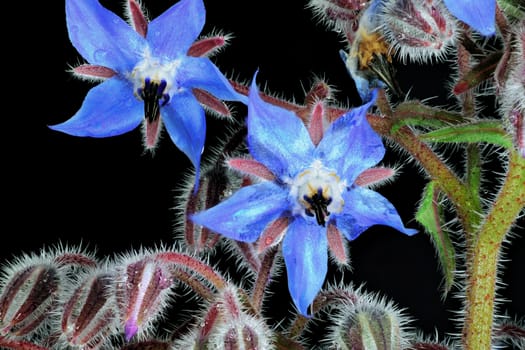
<point x="28" y="296"/>
<point x="418" y="30"/>
<point x="142" y="290"/>
<point x="227" y="325"/>
<point x="367" y="324"/>
<point x="238" y="330"/>
<point x="215" y="184"/>
<point x="89" y="315"/>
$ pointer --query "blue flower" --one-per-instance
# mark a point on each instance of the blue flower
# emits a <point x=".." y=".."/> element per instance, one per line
<point x="148" y="78"/>
<point x="479" y="14"/>
<point x="309" y="195"/>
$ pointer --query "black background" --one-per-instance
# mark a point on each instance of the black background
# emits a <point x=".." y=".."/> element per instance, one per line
<point x="106" y="194"/>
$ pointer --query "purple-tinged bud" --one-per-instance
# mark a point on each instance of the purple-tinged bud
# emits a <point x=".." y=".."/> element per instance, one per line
<point x="369" y="323"/>
<point x="28" y="296"/>
<point x="418" y="30"/>
<point x="89" y="314"/>
<point x="142" y="290"/>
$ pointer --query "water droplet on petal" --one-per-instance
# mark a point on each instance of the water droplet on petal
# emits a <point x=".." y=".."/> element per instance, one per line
<point x="100" y="55"/>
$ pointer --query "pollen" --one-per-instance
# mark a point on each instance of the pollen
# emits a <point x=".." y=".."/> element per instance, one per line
<point x="317" y="192"/>
<point x="371" y="45"/>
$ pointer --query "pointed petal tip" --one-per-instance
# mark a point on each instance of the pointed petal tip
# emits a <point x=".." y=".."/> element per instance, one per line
<point x="130" y="329"/>
<point x="410" y="231"/>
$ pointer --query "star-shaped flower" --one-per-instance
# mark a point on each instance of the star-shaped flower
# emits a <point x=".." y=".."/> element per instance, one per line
<point x="147" y="74"/>
<point x="479" y="14"/>
<point x="308" y="195"/>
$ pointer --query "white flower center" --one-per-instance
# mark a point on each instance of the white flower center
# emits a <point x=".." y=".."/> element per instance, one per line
<point x="153" y="81"/>
<point x="317" y="192"/>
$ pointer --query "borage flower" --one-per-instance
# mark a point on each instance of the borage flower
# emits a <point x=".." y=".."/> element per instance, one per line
<point x="148" y="75"/>
<point x="309" y="196"/>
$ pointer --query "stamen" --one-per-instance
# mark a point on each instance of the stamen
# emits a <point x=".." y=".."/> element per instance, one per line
<point x="318" y="193"/>
<point x="319" y="205"/>
<point x="151" y="93"/>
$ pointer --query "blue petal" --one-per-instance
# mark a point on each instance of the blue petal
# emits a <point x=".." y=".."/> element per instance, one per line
<point x="101" y="37"/>
<point x="305" y="251"/>
<point x="277" y="137"/>
<point x="245" y="214"/>
<point x="185" y="122"/>
<point x="350" y="145"/>
<point x="200" y="72"/>
<point x="109" y="109"/>
<point x="479" y="14"/>
<point x="174" y="31"/>
<point x="364" y="208"/>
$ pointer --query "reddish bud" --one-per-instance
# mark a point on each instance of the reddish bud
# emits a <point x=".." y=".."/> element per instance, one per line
<point x="142" y="290"/>
<point x="419" y="30"/>
<point x="89" y="315"/>
<point x="29" y="295"/>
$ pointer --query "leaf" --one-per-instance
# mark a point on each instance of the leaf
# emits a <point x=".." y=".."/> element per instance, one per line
<point x="429" y="214"/>
<point x="417" y="114"/>
<point x="490" y="131"/>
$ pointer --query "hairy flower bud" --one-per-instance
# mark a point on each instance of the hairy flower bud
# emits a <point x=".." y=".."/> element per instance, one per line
<point x="142" y="290"/>
<point x="368" y="324"/>
<point x="89" y="315"/>
<point x="28" y="295"/>
<point x="227" y="325"/>
<point x="216" y="183"/>
<point x="340" y="15"/>
<point x="418" y="30"/>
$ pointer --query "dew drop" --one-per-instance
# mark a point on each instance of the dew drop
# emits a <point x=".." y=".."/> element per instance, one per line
<point x="100" y="55"/>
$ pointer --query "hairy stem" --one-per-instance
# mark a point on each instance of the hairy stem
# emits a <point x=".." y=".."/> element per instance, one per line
<point x="481" y="283"/>
<point x="438" y="171"/>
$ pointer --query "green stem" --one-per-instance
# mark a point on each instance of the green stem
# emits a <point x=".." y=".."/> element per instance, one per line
<point x="473" y="176"/>
<point x="438" y="171"/>
<point x="481" y="283"/>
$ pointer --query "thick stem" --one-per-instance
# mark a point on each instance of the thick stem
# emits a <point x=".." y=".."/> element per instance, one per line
<point x="481" y="283"/>
<point x="438" y="171"/>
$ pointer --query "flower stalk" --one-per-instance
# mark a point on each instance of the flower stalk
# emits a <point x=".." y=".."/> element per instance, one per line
<point x="486" y="254"/>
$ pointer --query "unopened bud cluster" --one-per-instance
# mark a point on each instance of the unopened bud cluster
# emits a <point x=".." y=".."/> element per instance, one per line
<point x="68" y="300"/>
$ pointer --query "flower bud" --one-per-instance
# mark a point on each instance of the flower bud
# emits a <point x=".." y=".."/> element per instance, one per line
<point x="227" y="325"/>
<point x="369" y="324"/>
<point x="142" y="290"/>
<point x="239" y="329"/>
<point x="28" y="296"/>
<point x="89" y="315"/>
<point x="216" y="183"/>
<point x="339" y="15"/>
<point x="419" y="30"/>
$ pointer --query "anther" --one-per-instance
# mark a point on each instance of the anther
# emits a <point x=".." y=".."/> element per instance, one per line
<point x="318" y="206"/>
<point x="151" y="93"/>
